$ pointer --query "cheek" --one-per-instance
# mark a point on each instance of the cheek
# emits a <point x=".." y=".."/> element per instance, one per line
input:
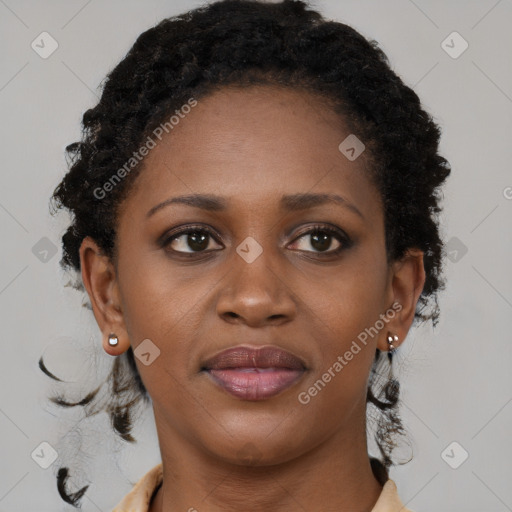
<point x="168" y="309"/>
<point x="156" y="297"/>
<point x="336" y="388"/>
<point x="347" y="303"/>
<point x="347" y="317"/>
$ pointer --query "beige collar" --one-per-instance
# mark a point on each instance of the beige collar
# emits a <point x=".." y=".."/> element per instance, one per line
<point x="138" y="499"/>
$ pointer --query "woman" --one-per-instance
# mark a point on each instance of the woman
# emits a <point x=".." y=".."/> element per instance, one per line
<point x="255" y="205"/>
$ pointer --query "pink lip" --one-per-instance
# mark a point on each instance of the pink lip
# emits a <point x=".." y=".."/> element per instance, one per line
<point x="254" y="373"/>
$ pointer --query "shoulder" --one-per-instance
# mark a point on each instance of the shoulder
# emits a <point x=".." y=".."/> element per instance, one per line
<point x="389" y="500"/>
<point x="138" y="499"/>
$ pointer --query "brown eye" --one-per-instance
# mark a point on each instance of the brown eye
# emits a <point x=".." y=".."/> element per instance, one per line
<point x="190" y="240"/>
<point x="321" y="239"/>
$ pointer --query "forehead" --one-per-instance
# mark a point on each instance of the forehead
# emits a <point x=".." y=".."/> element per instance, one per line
<point x="254" y="144"/>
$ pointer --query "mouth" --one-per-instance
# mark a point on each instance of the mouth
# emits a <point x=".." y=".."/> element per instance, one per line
<point x="254" y="373"/>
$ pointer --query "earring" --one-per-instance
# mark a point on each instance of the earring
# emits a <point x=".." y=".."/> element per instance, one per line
<point x="392" y="387"/>
<point x="113" y="340"/>
<point x="392" y="338"/>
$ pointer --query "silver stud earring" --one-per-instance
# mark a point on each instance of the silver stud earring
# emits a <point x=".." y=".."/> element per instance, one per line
<point x="392" y="338"/>
<point x="113" y="340"/>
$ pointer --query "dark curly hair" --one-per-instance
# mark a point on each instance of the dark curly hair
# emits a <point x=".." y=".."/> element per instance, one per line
<point x="243" y="43"/>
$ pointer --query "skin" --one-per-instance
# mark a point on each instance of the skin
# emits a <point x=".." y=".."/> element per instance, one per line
<point x="251" y="146"/>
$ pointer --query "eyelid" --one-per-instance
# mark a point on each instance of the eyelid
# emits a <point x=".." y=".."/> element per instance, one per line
<point x="184" y="229"/>
<point x="322" y="226"/>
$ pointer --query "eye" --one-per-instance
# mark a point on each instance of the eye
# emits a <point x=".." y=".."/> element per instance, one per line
<point x="192" y="239"/>
<point x="321" y="238"/>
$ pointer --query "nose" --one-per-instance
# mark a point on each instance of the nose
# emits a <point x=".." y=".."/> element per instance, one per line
<point x="256" y="294"/>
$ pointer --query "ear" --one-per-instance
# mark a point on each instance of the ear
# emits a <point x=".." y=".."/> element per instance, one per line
<point x="407" y="278"/>
<point x="99" y="278"/>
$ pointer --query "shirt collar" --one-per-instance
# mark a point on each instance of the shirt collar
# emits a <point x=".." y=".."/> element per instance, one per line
<point x="139" y="498"/>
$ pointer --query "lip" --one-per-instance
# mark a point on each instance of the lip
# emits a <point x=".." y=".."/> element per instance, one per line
<point x="254" y="373"/>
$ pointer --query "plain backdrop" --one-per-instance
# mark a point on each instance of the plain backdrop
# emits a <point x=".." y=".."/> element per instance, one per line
<point x="456" y="378"/>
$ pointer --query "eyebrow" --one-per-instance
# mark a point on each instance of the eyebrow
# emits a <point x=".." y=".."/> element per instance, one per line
<point x="292" y="202"/>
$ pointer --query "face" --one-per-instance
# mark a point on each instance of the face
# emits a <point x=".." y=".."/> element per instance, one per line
<point x="257" y="264"/>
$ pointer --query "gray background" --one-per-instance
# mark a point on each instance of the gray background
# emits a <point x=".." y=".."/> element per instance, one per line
<point x="456" y="378"/>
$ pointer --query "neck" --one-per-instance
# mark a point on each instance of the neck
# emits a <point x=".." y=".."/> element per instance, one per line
<point x="337" y="474"/>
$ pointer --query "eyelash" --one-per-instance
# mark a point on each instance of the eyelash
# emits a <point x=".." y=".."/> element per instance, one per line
<point x="338" y="234"/>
